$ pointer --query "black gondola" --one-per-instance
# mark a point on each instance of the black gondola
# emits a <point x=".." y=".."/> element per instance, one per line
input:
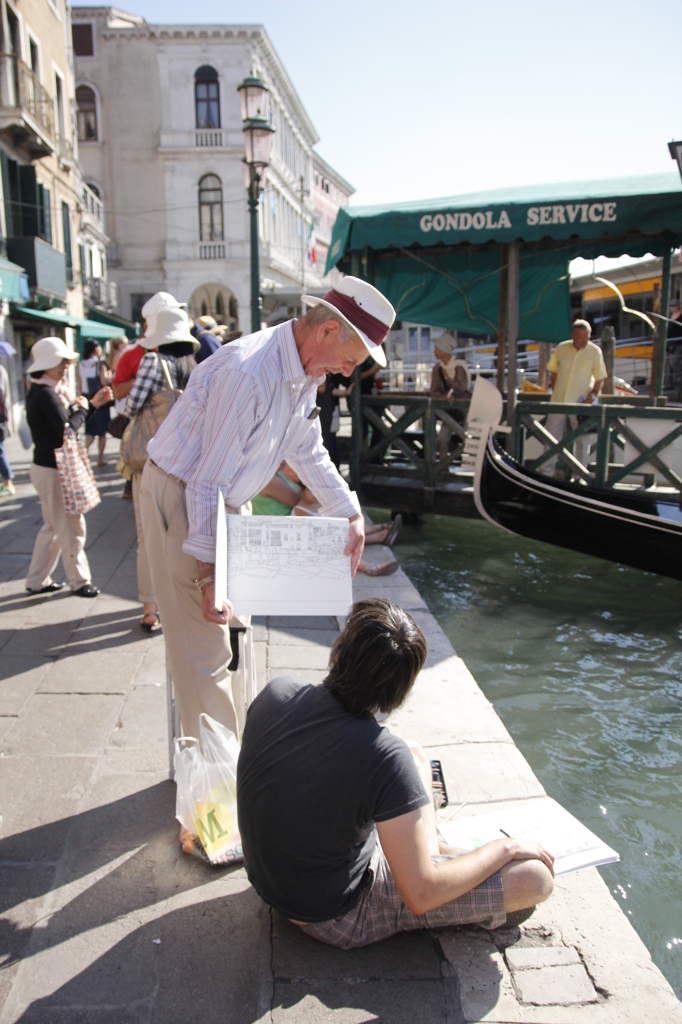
<point x="634" y="528"/>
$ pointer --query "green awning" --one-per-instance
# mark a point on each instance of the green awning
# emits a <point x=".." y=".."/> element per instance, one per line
<point x="13" y="282"/>
<point x="603" y="210"/>
<point x="428" y="258"/>
<point x="86" y="328"/>
<point x="127" y="327"/>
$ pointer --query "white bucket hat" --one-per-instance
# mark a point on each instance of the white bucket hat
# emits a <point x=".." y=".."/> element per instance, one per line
<point x="362" y="307"/>
<point x="153" y="306"/>
<point x="170" y="325"/>
<point x="48" y="353"/>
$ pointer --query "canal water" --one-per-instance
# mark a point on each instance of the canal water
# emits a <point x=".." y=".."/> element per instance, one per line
<point x="582" y="660"/>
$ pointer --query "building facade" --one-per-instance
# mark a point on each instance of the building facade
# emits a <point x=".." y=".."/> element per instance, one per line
<point x="161" y="143"/>
<point x="43" y="223"/>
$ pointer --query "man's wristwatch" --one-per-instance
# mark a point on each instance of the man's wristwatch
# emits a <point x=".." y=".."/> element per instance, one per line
<point x="203" y="582"/>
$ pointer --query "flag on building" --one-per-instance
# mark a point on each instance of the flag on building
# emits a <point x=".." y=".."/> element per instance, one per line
<point x="312" y="255"/>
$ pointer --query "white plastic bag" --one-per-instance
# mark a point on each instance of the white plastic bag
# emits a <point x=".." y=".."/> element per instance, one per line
<point x="206" y="777"/>
<point x="25" y="432"/>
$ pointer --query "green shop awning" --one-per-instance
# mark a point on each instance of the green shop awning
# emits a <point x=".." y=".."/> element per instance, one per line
<point x="86" y="328"/>
<point x="438" y="261"/>
<point x="13" y="282"/>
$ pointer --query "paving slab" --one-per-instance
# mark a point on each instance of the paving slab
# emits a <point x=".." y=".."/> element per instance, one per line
<point x="19" y="679"/>
<point x="289" y="657"/>
<point x="93" y="671"/>
<point x="59" y="724"/>
<point x="397" y="1002"/>
<point x="39" y="796"/>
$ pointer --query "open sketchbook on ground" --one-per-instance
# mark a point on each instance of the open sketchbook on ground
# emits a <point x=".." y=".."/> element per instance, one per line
<point x="545" y="821"/>
<point x="281" y="565"/>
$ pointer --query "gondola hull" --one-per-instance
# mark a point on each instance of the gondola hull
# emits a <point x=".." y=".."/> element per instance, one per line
<point x="633" y="528"/>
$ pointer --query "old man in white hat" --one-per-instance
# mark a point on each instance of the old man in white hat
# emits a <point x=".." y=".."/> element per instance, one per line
<point x="245" y="410"/>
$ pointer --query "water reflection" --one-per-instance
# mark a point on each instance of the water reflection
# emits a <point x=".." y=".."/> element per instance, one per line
<point x="583" y="662"/>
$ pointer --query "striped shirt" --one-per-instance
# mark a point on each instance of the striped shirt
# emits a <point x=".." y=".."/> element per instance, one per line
<point x="150" y="377"/>
<point x="244" y="411"/>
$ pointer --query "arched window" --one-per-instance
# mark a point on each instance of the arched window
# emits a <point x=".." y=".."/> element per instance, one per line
<point x="207" y="97"/>
<point x="211" y="208"/>
<point x="87" y="114"/>
<point x="219" y="311"/>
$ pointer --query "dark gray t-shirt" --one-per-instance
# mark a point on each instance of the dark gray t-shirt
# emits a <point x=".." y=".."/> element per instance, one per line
<point x="311" y="782"/>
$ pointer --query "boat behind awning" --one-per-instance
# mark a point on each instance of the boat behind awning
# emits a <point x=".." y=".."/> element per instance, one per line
<point x="86" y="328"/>
<point x="13" y="282"/>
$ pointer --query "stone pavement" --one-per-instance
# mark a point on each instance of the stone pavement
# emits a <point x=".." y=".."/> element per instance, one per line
<point x="104" y="921"/>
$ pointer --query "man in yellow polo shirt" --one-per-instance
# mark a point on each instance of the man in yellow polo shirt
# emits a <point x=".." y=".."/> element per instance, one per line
<point x="577" y="374"/>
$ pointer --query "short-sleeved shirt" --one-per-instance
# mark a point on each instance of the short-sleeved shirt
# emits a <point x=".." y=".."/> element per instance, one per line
<point x="576" y="370"/>
<point x="128" y="364"/>
<point x="312" y="780"/>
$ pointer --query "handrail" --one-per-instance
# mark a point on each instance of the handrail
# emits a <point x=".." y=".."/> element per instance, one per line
<point x="21" y="87"/>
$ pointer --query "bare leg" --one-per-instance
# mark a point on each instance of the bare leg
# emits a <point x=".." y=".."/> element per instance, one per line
<point x="525" y="883"/>
<point x="89" y="438"/>
<point x="101" y="444"/>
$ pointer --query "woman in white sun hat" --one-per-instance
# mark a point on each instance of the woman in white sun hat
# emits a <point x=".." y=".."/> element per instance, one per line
<point x="49" y="407"/>
<point x="171" y="338"/>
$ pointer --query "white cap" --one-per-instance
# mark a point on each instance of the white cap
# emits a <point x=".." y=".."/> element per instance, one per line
<point x="48" y="353"/>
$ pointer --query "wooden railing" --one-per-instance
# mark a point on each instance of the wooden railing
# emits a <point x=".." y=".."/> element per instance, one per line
<point x="609" y="428"/>
<point x="395" y="436"/>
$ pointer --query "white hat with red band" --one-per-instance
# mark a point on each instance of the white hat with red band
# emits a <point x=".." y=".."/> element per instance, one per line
<point x="361" y="306"/>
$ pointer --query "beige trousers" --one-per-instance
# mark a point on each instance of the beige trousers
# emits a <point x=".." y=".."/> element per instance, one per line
<point x="198" y="651"/>
<point x="60" y="533"/>
<point x="145" y="591"/>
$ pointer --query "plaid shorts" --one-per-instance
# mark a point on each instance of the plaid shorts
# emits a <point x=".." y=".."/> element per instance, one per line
<point x="380" y="912"/>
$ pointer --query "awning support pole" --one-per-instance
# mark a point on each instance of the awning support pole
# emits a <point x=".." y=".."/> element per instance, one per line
<point x="658" y="368"/>
<point x="512" y="341"/>
<point x="502" y="325"/>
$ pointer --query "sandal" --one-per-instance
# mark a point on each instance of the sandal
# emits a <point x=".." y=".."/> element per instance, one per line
<point x="150" y="627"/>
<point x="381" y="569"/>
<point x="396" y="527"/>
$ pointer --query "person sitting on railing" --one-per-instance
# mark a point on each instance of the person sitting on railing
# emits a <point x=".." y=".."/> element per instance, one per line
<point x="577" y="373"/>
<point x="450" y="378"/>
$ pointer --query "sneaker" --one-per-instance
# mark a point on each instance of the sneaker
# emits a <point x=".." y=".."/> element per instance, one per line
<point x="8" y="487"/>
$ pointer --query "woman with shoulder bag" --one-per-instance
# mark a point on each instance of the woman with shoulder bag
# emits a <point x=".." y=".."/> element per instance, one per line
<point x="50" y="409"/>
<point x="162" y="376"/>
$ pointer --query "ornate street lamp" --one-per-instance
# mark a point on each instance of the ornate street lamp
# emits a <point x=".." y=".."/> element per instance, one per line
<point x="676" y="153"/>
<point x="258" y="138"/>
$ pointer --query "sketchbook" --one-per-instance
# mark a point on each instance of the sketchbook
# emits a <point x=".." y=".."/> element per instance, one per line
<point x="545" y="821"/>
<point x="281" y="565"/>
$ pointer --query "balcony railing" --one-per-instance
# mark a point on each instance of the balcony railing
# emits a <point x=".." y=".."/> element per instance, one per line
<point x="100" y="292"/>
<point x="22" y="94"/>
<point x="208" y="138"/>
<point x="92" y="204"/>
<point x="65" y="149"/>
<point x="211" y="251"/>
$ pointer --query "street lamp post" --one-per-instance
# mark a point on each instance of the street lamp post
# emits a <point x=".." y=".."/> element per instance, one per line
<point x="258" y="139"/>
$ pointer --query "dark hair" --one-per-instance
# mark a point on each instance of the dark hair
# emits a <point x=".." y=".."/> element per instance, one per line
<point x="89" y="346"/>
<point x="183" y="360"/>
<point x="374" y="662"/>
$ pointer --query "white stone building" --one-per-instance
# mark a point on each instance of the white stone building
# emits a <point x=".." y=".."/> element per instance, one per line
<point x="164" y="150"/>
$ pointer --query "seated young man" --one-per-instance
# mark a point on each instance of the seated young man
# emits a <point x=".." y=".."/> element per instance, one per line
<point x="336" y="813"/>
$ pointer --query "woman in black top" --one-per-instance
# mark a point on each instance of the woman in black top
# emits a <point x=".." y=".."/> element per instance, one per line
<point x="48" y="409"/>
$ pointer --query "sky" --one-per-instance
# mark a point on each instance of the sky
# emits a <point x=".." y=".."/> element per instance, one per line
<point x="433" y="98"/>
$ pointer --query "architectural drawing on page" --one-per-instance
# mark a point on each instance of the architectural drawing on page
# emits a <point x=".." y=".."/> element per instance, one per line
<point x="288" y="565"/>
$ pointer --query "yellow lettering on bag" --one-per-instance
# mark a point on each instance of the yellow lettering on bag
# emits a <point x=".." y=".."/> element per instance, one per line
<point x="215" y="824"/>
